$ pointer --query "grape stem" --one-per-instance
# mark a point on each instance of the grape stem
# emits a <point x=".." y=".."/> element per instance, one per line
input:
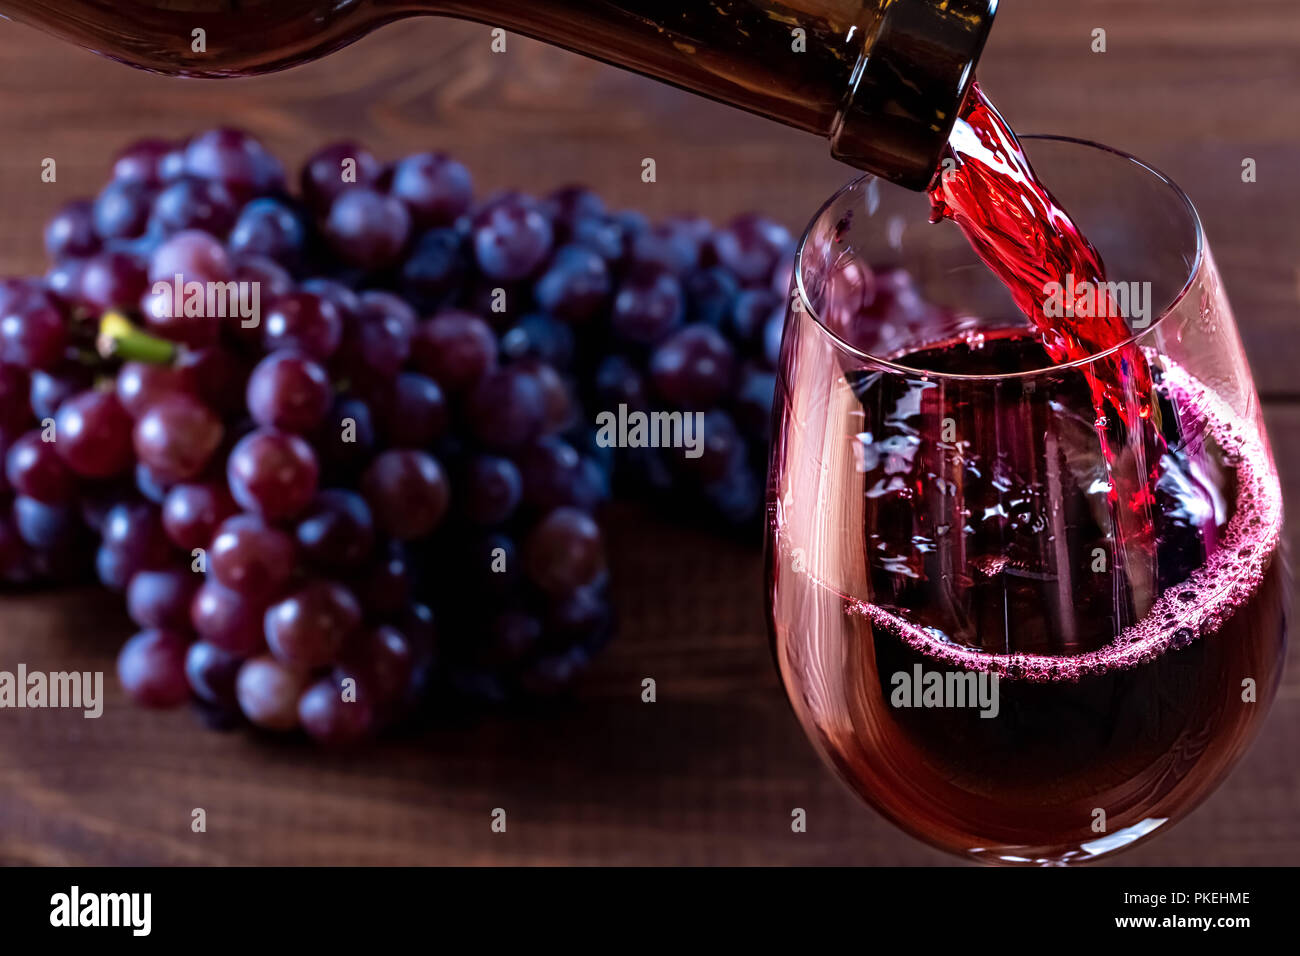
<point x="118" y="338"/>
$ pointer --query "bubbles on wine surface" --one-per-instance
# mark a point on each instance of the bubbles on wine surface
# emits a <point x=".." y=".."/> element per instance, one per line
<point x="1190" y="610"/>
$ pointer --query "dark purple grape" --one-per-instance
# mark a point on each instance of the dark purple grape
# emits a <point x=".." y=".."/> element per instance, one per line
<point x="271" y="280"/>
<point x="236" y="159"/>
<point x="455" y="349"/>
<point x="151" y="485"/>
<point x="151" y="668"/>
<point x="268" y="693"/>
<point x="176" y="437"/>
<point x="33" y="335"/>
<point x="190" y="203"/>
<point x="71" y="231"/>
<point x="219" y="377"/>
<point x="604" y="234"/>
<point x="289" y="392"/>
<point x="140" y="385"/>
<point x="272" y="473"/>
<point x="417" y="625"/>
<point x="501" y="303"/>
<point x="555" y="673"/>
<point x="47" y="527"/>
<point x="383" y="661"/>
<point x="720" y="448"/>
<point x="510" y="637"/>
<point x="490" y="567"/>
<point x="94" y="434"/>
<point x="304" y="321"/>
<point x="367" y="229"/>
<point x="711" y="295"/>
<point x="121" y="210"/>
<point x="344" y="299"/>
<point x="334" y="168"/>
<point x="580" y="614"/>
<point x="271" y="228"/>
<point x="694" y="369"/>
<point x="63" y="280"/>
<point x="753" y="402"/>
<point x="34" y="467"/>
<point x="491" y="490"/>
<point x="575" y="286"/>
<point x="550" y="468"/>
<point x="540" y="336"/>
<point x="738" y="495"/>
<point x="570" y="204"/>
<point x="161" y="599"/>
<point x="141" y="161"/>
<point x="772" y="334"/>
<point x="163" y="319"/>
<point x="134" y="530"/>
<point x="648" y="306"/>
<point x="329" y="719"/>
<point x="48" y="391"/>
<point x="249" y="556"/>
<point x="749" y="246"/>
<point x="749" y="316"/>
<point x="434" y="267"/>
<point x="211" y="673"/>
<point x="564" y="551"/>
<point x="781" y="281"/>
<point x="673" y="245"/>
<point x="559" y="405"/>
<point x="415" y="412"/>
<point x="337" y="533"/>
<point x="21" y="291"/>
<point x="19" y="396"/>
<point x="346" y="440"/>
<point x="407" y="493"/>
<point x="308" y="628"/>
<point x="619" y="381"/>
<point x="377" y="340"/>
<point x="633" y="222"/>
<point x="436" y="188"/>
<point x="111" y="279"/>
<point x="192" y="254"/>
<point x="385" y="588"/>
<point x="192" y="512"/>
<point x="506" y="409"/>
<point x="228" y="619"/>
<point x="512" y="237"/>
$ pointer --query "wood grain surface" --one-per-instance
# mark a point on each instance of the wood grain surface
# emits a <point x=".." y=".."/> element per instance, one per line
<point x="710" y="773"/>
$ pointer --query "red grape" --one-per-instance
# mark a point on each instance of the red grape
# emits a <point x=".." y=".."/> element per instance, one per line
<point x="94" y="434"/>
<point x="151" y="668"/>
<point x="272" y="473"/>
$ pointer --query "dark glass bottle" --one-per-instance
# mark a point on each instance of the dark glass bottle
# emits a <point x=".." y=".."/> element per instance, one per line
<point x="881" y="79"/>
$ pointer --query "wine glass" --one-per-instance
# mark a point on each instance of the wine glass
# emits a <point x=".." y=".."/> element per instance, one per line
<point x="1023" y="630"/>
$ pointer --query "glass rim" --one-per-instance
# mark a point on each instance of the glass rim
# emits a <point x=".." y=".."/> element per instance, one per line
<point x="1193" y="269"/>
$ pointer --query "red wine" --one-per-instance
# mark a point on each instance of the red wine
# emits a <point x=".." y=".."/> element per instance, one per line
<point x="988" y="188"/>
<point x="1114" y="695"/>
<point x="1026" y="237"/>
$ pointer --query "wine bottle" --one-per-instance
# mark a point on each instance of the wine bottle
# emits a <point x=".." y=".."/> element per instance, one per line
<point x="881" y="79"/>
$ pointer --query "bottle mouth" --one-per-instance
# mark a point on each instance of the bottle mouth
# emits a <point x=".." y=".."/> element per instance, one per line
<point x="917" y="64"/>
<point x="1180" y="287"/>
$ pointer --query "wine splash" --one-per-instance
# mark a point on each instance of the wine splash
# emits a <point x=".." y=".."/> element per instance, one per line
<point x="987" y="186"/>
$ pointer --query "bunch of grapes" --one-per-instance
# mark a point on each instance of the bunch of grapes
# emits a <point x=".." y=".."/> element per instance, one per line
<point x="398" y="432"/>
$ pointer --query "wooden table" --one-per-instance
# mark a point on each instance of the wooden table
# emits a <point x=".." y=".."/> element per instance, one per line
<point x="711" y="772"/>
